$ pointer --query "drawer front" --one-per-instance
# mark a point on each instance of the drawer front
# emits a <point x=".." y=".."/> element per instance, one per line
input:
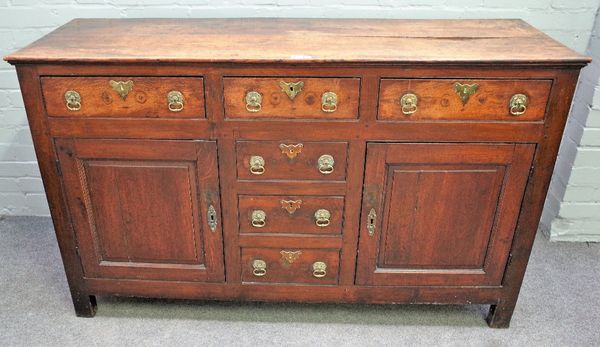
<point x="450" y="99"/>
<point x="127" y="97"/>
<point x="275" y="160"/>
<point x="291" y="97"/>
<point x="291" y="214"/>
<point x="283" y="265"/>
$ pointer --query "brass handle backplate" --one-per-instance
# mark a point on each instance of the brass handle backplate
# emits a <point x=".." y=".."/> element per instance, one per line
<point x="329" y="102"/>
<point x="518" y="104"/>
<point x="325" y="164"/>
<point x="322" y="218"/>
<point x="212" y="218"/>
<point x="73" y="100"/>
<point x="253" y="101"/>
<point x="408" y="102"/>
<point x="319" y="269"/>
<point x="371" y="220"/>
<point x="259" y="268"/>
<point x="121" y="87"/>
<point x="258" y="219"/>
<point x="175" y="101"/>
<point x="257" y="165"/>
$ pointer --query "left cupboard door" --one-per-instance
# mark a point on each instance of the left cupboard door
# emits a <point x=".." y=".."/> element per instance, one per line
<point x="144" y="209"/>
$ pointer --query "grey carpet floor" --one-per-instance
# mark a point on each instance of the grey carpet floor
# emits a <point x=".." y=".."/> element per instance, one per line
<point x="558" y="306"/>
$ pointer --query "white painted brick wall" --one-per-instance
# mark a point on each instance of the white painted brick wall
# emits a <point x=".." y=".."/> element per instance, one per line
<point x="23" y="21"/>
<point x="572" y="210"/>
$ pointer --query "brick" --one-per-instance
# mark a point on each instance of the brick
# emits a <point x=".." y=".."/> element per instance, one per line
<point x="12" y="203"/>
<point x="13" y="118"/>
<point x="570" y="210"/>
<point x="582" y="176"/>
<point x="9" y="185"/>
<point x="8" y="80"/>
<point x="582" y="194"/>
<point x="588" y="157"/>
<point x="537" y="4"/>
<point x="16" y="152"/>
<point x="19" y="169"/>
<point x="591" y="137"/>
<point x="24" y="17"/>
<point x="37" y="205"/>
<point x="570" y="4"/>
<point x="575" y="230"/>
<point x="593" y="119"/>
<point x="30" y="185"/>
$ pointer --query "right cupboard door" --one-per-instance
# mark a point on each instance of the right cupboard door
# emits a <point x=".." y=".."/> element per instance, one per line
<point x="440" y="214"/>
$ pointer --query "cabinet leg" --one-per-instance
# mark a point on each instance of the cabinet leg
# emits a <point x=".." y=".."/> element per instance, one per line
<point x="85" y="305"/>
<point x="500" y="315"/>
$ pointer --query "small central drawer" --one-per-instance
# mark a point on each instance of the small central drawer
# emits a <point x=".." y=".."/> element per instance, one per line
<point x="291" y="97"/>
<point x="457" y="99"/>
<point x="291" y="214"/>
<point x="126" y="97"/>
<point x="293" y="265"/>
<point x="291" y="160"/>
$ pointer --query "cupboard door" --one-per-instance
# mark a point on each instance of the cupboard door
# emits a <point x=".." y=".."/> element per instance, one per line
<point x="440" y="214"/>
<point x="140" y="208"/>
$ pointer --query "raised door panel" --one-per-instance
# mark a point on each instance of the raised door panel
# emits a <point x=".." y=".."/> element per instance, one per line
<point x="140" y="208"/>
<point x="440" y="214"/>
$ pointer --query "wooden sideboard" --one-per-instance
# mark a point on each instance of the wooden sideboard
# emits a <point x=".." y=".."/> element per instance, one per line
<point x="378" y="161"/>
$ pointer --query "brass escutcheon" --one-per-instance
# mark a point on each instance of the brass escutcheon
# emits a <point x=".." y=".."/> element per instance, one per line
<point x="212" y="218"/>
<point x="329" y="102"/>
<point x="291" y="150"/>
<point x="121" y="87"/>
<point x="465" y="91"/>
<point x="408" y="102"/>
<point x="325" y="164"/>
<point x="253" y="101"/>
<point x="73" y="100"/>
<point x="259" y="268"/>
<point x="319" y="269"/>
<point x="518" y="104"/>
<point x="175" y="101"/>
<point x="290" y="205"/>
<point x="322" y="218"/>
<point x="291" y="88"/>
<point x="257" y="165"/>
<point x="258" y="218"/>
<point x="289" y="256"/>
<point x="371" y="219"/>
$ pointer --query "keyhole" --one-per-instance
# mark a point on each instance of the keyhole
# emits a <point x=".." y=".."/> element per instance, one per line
<point x="212" y="218"/>
<point x="291" y="89"/>
<point x="372" y="221"/>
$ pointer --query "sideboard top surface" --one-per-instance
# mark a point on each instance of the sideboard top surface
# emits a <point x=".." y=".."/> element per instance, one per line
<point x="506" y="41"/>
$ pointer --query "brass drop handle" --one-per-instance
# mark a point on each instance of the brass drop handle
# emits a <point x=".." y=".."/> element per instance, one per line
<point x="329" y="102"/>
<point x="73" y="100"/>
<point x="212" y="218"/>
<point x="258" y="219"/>
<point x="518" y="104"/>
<point x="325" y="164"/>
<point x="371" y="220"/>
<point x="322" y="218"/>
<point x="253" y="101"/>
<point x="408" y="102"/>
<point x="259" y="268"/>
<point x="257" y="165"/>
<point x="175" y="101"/>
<point x="319" y="269"/>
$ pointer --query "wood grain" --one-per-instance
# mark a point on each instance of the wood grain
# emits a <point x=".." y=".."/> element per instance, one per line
<point x="298" y="40"/>
<point x="437" y="99"/>
<point x="306" y="104"/>
<point x="148" y="97"/>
